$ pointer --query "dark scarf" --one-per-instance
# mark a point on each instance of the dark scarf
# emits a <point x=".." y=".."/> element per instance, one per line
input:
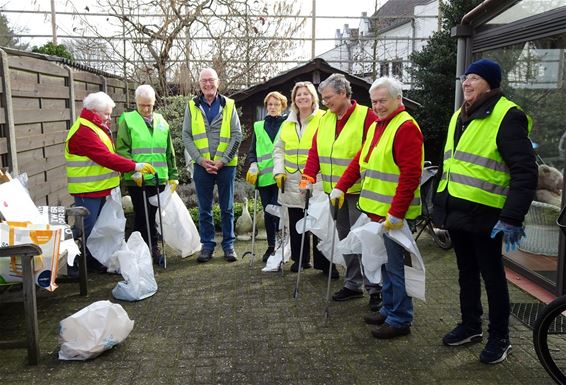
<point x="468" y="109"/>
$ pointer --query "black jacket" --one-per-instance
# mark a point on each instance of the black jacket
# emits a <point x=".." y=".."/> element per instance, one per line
<point x="516" y="150"/>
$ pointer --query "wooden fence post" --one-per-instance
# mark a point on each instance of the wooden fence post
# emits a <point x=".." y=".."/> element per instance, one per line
<point x="9" y="114"/>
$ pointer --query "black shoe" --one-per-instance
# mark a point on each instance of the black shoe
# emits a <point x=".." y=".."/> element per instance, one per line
<point x="268" y="253"/>
<point x="386" y="332"/>
<point x="334" y="274"/>
<point x="93" y="266"/>
<point x="230" y="256"/>
<point x="495" y="351"/>
<point x="345" y="294"/>
<point x="374" y="319"/>
<point x="375" y="301"/>
<point x="73" y="272"/>
<point x="295" y="267"/>
<point x="205" y="256"/>
<point x="461" y="335"/>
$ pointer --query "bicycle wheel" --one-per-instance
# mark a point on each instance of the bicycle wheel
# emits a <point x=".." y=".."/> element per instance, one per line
<point x="549" y="338"/>
<point x="440" y="237"/>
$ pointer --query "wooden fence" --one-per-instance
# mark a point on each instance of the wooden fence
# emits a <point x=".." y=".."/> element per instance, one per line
<point x="39" y="101"/>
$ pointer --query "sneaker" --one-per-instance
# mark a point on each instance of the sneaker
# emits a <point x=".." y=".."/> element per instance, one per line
<point x="230" y="256"/>
<point x="205" y="256"/>
<point x="386" y="332"/>
<point x="295" y="267"/>
<point x="374" y="319"/>
<point x="268" y="253"/>
<point x="375" y="301"/>
<point x="345" y="294"/>
<point x="496" y="350"/>
<point x="461" y="335"/>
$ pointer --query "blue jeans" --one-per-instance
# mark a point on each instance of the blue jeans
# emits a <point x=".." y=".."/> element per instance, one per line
<point x="94" y="205"/>
<point x="204" y="184"/>
<point x="397" y="305"/>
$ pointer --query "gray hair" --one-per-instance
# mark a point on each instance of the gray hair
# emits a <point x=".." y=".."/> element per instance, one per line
<point x="98" y="101"/>
<point x="394" y="86"/>
<point x="208" y="69"/>
<point x="145" y="91"/>
<point x="338" y="82"/>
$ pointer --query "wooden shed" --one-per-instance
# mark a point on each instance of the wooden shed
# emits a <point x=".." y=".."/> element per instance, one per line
<point x="250" y="100"/>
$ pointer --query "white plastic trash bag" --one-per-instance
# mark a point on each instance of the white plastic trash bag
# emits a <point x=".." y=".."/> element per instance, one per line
<point x="179" y="230"/>
<point x="283" y="246"/>
<point x="137" y="269"/>
<point x="92" y="330"/>
<point x="320" y="223"/>
<point x="107" y="235"/>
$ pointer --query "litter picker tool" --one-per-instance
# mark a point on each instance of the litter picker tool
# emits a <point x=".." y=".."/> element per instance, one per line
<point x="144" y="195"/>
<point x="252" y="253"/>
<point x="334" y="209"/>
<point x="160" y="222"/>
<point x="307" y="197"/>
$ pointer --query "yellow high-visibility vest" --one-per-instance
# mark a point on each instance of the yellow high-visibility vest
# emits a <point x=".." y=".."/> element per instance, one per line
<point x="297" y="149"/>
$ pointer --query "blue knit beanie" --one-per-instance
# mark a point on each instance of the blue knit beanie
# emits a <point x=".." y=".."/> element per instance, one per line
<point x="488" y="70"/>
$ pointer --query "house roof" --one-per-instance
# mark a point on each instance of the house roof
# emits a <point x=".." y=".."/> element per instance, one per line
<point x="391" y="14"/>
<point x="316" y="65"/>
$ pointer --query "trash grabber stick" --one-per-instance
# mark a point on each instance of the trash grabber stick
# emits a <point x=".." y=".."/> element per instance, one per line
<point x="160" y="221"/>
<point x="282" y="247"/>
<point x="252" y="253"/>
<point x="296" y="292"/>
<point x="146" y="215"/>
<point x="334" y="209"/>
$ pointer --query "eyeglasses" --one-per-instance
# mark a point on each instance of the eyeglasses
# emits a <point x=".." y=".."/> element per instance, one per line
<point x="470" y="77"/>
<point x="210" y="80"/>
<point x="327" y="99"/>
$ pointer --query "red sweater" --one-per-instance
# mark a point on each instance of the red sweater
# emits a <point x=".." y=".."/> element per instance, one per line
<point x="312" y="167"/>
<point x="407" y="152"/>
<point x="86" y="142"/>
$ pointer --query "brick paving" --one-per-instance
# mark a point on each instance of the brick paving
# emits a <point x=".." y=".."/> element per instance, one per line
<point x="221" y="323"/>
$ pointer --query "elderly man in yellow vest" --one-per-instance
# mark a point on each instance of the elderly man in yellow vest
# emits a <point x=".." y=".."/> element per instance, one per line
<point x="341" y="133"/>
<point x="93" y="166"/>
<point x="212" y="136"/>
<point x="390" y="165"/>
<point x="144" y="136"/>
<point x="488" y="181"/>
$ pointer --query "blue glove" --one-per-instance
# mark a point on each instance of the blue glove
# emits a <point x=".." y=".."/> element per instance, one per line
<point x="511" y="234"/>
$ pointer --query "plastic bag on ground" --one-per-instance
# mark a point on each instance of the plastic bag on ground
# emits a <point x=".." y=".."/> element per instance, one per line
<point x="319" y="222"/>
<point x="137" y="269"/>
<point x="92" y="330"/>
<point x="283" y="246"/>
<point x="107" y="235"/>
<point x="180" y="231"/>
<point x="367" y="237"/>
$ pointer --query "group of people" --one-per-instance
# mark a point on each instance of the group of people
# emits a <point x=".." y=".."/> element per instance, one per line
<point x="367" y="160"/>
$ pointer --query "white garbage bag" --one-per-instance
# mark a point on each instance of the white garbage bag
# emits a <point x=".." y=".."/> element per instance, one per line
<point x="137" y="269"/>
<point x="92" y="330"/>
<point x="107" y="235"/>
<point x="283" y="246"/>
<point x="319" y="222"/>
<point x="179" y="230"/>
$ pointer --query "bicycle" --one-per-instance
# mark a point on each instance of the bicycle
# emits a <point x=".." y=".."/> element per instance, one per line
<point x="423" y="222"/>
<point x="548" y="338"/>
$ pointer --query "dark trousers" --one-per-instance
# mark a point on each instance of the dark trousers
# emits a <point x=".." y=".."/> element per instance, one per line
<point x="268" y="196"/>
<point x="140" y="225"/>
<point x="320" y="261"/>
<point x="479" y="254"/>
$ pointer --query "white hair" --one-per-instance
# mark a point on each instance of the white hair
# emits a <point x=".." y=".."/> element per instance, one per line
<point x="145" y="91"/>
<point x="208" y="69"/>
<point x="394" y="86"/>
<point x="98" y="101"/>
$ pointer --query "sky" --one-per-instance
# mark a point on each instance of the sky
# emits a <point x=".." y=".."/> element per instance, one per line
<point x="325" y="28"/>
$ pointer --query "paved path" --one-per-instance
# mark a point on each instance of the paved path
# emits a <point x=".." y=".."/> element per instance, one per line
<point x="221" y="323"/>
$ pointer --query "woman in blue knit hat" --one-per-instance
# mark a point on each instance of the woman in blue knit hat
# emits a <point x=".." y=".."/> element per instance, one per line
<point x="488" y="181"/>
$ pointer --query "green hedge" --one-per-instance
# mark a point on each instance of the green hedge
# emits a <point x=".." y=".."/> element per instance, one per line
<point x="216" y="212"/>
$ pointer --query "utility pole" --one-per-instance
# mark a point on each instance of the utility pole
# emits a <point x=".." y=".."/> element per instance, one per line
<point x="53" y="22"/>
<point x="313" y="34"/>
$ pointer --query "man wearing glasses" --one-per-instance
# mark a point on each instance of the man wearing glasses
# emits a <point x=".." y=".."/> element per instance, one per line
<point x="212" y="136"/>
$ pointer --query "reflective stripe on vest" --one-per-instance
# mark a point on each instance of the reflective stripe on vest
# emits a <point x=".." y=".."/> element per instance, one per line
<point x="264" y="152"/>
<point x="148" y="147"/>
<point x="335" y="154"/>
<point x="380" y="174"/>
<point x="84" y="175"/>
<point x="475" y="170"/>
<point x="199" y="131"/>
<point x="297" y="149"/>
